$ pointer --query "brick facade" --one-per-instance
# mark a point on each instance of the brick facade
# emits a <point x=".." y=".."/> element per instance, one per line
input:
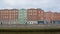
<point x="56" y="16"/>
<point x="8" y="15"/>
<point x="11" y="15"/>
<point x="39" y="14"/>
<point x="32" y="14"/>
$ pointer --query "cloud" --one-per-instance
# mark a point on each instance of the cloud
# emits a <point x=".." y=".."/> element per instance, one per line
<point x="10" y="2"/>
<point x="46" y="5"/>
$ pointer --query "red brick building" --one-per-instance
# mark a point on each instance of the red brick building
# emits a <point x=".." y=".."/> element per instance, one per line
<point x="49" y="16"/>
<point x="56" y="16"/>
<point x="40" y="15"/>
<point x="35" y="14"/>
<point x="52" y="16"/>
<point x="32" y="14"/>
<point x="8" y="15"/>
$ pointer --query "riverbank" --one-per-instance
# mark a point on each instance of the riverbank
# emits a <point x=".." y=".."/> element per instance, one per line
<point x="30" y="30"/>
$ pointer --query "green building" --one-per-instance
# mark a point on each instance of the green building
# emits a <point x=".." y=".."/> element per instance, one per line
<point x="22" y="16"/>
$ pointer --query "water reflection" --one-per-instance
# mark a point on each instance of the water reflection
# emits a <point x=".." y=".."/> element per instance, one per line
<point x="29" y="32"/>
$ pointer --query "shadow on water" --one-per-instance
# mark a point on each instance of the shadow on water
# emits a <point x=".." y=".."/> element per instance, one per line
<point x="29" y="32"/>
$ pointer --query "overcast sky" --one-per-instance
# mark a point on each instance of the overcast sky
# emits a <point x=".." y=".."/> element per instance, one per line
<point x="47" y="5"/>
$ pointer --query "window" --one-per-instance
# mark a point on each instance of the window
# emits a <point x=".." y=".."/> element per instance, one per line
<point x="39" y="11"/>
<point x="16" y="11"/>
<point x="4" y="16"/>
<point x="10" y="16"/>
<point x="20" y="17"/>
<point x="24" y="11"/>
<point x="34" y="11"/>
<point x="41" y="18"/>
<point x="34" y="14"/>
<point x="24" y="16"/>
<point x="21" y="11"/>
<point x="30" y="13"/>
<point x="20" y="14"/>
<point x="39" y="15"/>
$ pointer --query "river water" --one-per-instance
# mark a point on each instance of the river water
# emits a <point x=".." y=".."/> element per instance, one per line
<point x="29" y="32"/>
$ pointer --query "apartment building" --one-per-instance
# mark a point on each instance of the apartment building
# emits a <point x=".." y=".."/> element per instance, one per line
<point x="22" y="16"/>
<point x="49" y="16"/>
<point x="28" y="16"/>
<point x="40" y="14"/>
<point x="32" y="15"/>
<point x="8" y="16"/>
<point x="56" y="16"/>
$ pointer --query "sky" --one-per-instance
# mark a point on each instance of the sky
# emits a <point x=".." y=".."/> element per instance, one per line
<point x="47" y="5"/>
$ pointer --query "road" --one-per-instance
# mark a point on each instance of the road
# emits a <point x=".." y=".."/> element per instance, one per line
<point x="29" y="25"/>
